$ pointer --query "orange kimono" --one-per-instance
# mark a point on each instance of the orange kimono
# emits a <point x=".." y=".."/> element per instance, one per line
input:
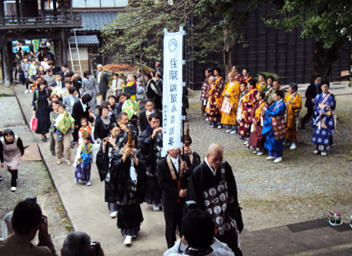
<point x="293" y="107"/>
<point x="229" y="105"/>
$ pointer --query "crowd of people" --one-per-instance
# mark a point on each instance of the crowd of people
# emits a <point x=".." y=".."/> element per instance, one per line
<point x="126" y="146"/>
<point x="263" y="117"/>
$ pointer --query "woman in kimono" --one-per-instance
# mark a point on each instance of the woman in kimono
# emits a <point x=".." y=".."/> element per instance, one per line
<point x="274" y="128"/>
<point x="269" y="94"/>
<point x="262" y="85"/>
<point x="293" y="103"/>
<point x="90" y="87"/>
<point x="256" y="140"/>
<point x="104" y="164"/>
<point x="219" y="86"/>
<point x="41" y="109"/>
<point x="11" y="150"/>
<point x="231" y="95"/>
<point x="129" y="179"/>
<point x="212" y="106"/>
<point x="204" y="92"/>
<point x="323" y="120"/>
<point x="247" y="105"/>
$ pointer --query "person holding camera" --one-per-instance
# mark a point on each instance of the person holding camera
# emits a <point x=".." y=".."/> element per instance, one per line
<point x="79" y="243"/>
<point x="27" y="219"/>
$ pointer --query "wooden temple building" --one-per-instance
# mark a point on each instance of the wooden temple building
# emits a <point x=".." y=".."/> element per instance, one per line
<point x="33" y="19"/>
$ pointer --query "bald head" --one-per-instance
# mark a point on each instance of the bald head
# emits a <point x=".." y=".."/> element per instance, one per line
<point x="215" y="155"/>
<point x="215" y="147"/>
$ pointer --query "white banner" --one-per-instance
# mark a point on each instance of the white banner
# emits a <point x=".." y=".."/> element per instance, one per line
<point x="172" y="89"/>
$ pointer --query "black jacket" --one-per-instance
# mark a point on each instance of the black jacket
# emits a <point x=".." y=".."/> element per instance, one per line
<point x="78" y="113"/>
<point x="143" y="122"/>
<point x="311" y="92"/>
<point x="171" y="201"/>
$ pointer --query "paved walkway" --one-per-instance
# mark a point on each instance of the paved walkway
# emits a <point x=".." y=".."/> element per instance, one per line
<point x="87" y="211"/>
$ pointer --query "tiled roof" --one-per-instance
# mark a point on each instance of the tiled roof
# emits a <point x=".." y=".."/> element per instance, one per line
<point x="84" y="40"/>
<point x="94" y="21"/>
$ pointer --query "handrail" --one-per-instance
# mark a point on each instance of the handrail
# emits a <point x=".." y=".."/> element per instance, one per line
<point x="38" y="20"/>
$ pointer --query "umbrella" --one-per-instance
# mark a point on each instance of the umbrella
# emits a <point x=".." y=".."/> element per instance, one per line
<point x="121" y="68"/>
<point x="126" y="68"/>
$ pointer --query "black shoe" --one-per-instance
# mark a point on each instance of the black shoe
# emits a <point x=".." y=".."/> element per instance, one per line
<point x="1" y="178"/>
<point x="44" y="140"/>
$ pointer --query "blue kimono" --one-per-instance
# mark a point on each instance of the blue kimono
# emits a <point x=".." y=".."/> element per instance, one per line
<point x="275" y="147"/>
<point x="323" y="125"/>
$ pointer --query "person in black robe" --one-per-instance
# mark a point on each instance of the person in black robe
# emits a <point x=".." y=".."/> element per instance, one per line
<point x="173" y="181"/>
<point x="143" y="116"/>
<point x="103" y="122"/>
<point x="312" y="90"/>
<point x="81" y="110"/>
<point x="128" y="177"/>
<point x="41" y="109"/>
<point x="108" y="148"/>
<point x="151" y="142"/>
<point x="212" y="186"/>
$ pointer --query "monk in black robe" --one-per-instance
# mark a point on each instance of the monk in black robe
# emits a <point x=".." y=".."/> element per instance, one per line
<point x="212" y="185"/>
<point x="151" y="142"/>
<point x="128" y="177"/>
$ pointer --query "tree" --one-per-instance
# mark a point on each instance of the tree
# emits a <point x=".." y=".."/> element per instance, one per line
<point x="329" y="23"/>
<point x="139" y="31"/>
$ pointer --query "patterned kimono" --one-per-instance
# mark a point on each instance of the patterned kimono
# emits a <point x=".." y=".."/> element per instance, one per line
<point x="274" y="128"/>
<point x="293" y="106"/>
<point x="229" y="105"/>
<point x="256" y="140"/>
<point x="323" y="125"/>
<point x="82" y="171"/>
<point x="247" y="104"/>
<point x="215" y="100"/>
<point x="204" y="94"/>
<point x="262" y="86"/>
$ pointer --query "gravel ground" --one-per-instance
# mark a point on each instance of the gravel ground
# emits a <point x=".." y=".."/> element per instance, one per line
<point x="33" y="178"/>
<point x="303" y="187"/>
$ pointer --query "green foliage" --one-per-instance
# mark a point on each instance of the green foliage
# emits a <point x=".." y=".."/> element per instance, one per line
<point x="274" y="75"/>
<point x="138" y="32"/>
<point x="328" y="22"/>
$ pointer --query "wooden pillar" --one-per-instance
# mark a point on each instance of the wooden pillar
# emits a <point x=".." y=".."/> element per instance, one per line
<point x="2" y="14"/>
<point x="64" y="46"/>
<point x="18" y="11"/>
<point x="42" y="9"/>
<point x="6" y="62"/>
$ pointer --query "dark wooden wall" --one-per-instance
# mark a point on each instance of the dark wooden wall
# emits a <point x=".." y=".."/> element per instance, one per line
<point x="266" y="49"/>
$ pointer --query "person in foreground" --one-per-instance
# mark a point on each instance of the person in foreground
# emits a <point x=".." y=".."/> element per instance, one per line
<point x="198" y="239"/>
<point x="213" y="187"/>
<point x="129" y="180"/>
<point x="323" y="120"/>
<point x="27" y="219"/>
<point x="78" y="243"/>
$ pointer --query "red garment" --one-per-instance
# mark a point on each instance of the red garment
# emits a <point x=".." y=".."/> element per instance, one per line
<point x="247" y="106"/>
